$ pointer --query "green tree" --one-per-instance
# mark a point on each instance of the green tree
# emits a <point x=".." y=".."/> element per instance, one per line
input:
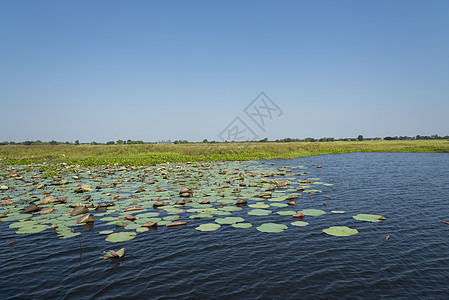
<point x="360" y="137"/>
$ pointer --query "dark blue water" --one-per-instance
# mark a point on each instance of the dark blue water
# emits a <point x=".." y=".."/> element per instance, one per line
<point x="410" y="190"/>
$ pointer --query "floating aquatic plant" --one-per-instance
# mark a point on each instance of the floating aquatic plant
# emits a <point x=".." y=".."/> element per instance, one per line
<point x="271" y="227"/>
<point x="242" y="225"/>
<point x="259" y="212"/>
<point x="229" y="220"/>
<point x="114" y="254"/>
<point x="120" y="236"/>
<point x="208" y="227"/>
<point x="369" y="218"/>
<point x="340" y="231"/>
<point x="299" y="223"/>
<point x="131" y="197"/>
<point x="313" y="212"/>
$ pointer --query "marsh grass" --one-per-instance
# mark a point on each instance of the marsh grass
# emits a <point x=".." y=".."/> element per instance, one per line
<point x="150" y="154"/>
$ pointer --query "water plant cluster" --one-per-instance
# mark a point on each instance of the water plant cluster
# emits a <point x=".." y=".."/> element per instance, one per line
<point x="121" y="202"/>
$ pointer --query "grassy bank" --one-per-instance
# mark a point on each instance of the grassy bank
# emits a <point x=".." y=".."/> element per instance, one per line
<point x="150" y="154"/>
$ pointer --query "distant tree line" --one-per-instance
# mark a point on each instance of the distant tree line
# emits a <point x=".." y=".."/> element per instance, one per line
<point x="77" y="142"/>
<point x="265" y="140"/>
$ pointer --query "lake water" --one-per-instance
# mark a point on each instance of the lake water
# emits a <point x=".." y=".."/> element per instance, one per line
<point x="410" y="189"/>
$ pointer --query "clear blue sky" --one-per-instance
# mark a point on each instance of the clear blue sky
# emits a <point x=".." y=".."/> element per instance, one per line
<point x="152" y="70"/>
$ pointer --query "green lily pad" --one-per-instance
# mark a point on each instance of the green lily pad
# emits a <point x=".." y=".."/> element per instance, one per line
<point x="271" y="227"/>
<point x="34" y="228"/>
<point x="299" y="223"/>
<point x="368" y="217"/>
<point x="133" y="226"/>
<point x="142" y="229"/>
<point x="259" y="212"/>
<point x="222" y="213"/>
<point x="108" y="219"/>
<point x="231" y="208"/>
<point x="277" y="199"/>
<point x="242" y="225"/>
<point x="106" y="232"/>
<point x="278" y="204"/>
<point x="68" y="234"/>
<point x="120" y="237"/>
<point x="208" y="227"/>
<point x="313" y="212"/>
<point x="229" y="220"/>
<point x="164" y="222"/>
<point x="340" y="231"/>
<point x="15" y="217"/>
<point x="22" y="224"/>
<point x="170" y="218"/>
<point x="259" y="205"/>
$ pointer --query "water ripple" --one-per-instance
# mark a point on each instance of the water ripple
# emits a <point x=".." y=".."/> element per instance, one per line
<point x="409" y="189"/>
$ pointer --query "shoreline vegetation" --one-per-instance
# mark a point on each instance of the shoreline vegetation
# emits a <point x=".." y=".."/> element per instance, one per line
<point x="151" y="154"/>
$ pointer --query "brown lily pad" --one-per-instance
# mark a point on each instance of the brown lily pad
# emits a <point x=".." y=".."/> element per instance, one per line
<point x="79" y="210"/>
<point x="87" y="218"/>
<point x="177" y="223"/>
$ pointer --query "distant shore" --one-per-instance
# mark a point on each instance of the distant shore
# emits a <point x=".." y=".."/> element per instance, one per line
<point x="150" y="154"/>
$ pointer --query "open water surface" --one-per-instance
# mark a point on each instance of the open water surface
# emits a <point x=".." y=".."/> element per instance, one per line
<point x="410" y="189"/>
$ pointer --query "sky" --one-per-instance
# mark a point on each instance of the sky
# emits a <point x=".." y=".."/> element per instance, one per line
<point x="193" y="70"/>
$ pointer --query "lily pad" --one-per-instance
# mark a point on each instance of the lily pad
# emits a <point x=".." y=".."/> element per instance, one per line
<point x="231" y="208"/>
<point x="259" y="212"/>
<point x="114" y="254"/>
<point x="368" y="217"/>
<point x="299" y="223"/>
<point x="242" y="225"/>
<point x="68" y="234"/>
<point x="120" y="237"/>
<point x="106" y="232"/>
<point x="278" y="204"/>
<point x="271" y="227"/>
<point x="313" y="212"/>
<point x="259" y="205"/>
<point x="340" y="231"/>
<point x="32" y="229"/>
<point x="229" y="220"/>
<point x="208" y="227"/>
